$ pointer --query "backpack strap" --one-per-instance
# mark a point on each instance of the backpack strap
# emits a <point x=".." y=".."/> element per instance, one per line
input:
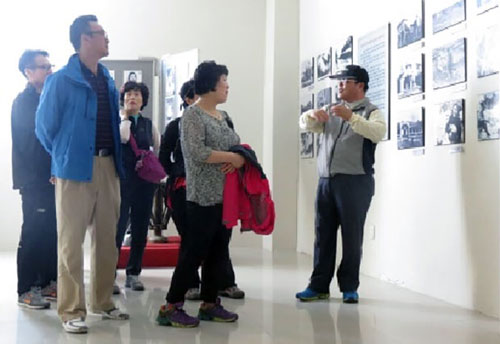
<point x="133" y="145"/>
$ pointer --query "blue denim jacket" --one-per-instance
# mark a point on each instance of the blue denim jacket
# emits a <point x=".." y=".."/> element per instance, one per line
<point x="66" y="122"/>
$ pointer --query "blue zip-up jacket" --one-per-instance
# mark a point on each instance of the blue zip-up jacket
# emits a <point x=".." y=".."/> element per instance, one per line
<point x="66" y="122"/>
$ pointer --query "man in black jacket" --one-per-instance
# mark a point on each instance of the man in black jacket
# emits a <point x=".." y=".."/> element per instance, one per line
<point x="37" y="250"/>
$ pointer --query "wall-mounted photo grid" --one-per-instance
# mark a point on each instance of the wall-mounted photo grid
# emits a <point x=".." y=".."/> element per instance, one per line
<point x="451" y="47"/>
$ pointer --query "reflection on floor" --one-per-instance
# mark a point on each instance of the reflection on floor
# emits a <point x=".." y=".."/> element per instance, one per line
<point x="269" y="314"/>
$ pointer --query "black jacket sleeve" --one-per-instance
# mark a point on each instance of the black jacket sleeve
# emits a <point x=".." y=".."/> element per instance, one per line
<point x="168" y="143"/>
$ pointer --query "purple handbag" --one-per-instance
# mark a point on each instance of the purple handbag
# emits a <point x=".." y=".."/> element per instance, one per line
<point x="148" y="166"/>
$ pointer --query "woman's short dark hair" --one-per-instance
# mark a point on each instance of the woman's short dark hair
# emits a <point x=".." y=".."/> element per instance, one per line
<point x="207" y="75"/>
<point x="78" y="28"/>
<point x="187" y="91"/>
<point x="135" y="86"/>
<point x="27" y="59"/>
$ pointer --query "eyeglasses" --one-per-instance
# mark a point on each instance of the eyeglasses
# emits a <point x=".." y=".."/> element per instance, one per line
<point x="346" y="80"/>
<point x="45" y="67"/>
<point x="99" y="32"/>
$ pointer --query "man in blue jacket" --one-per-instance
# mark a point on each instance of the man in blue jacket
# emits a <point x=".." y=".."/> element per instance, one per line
<point x="37" y="250"/>
<point x="77" y="122"/>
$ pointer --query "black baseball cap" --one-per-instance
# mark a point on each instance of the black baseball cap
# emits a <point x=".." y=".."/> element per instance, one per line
<point x="352" y="72"/>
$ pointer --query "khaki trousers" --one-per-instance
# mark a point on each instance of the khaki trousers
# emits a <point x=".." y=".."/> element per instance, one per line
<point x="79" y="205"/>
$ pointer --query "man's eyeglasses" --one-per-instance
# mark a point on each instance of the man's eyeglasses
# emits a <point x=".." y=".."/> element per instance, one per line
<point x="346" y="80"/>
<point x="99" y="32"/>
<point x="45" y="67"/>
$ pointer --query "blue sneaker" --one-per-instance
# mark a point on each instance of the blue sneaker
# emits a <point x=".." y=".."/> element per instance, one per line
<point x="350" y="297"/>
<point x="310" y="295"/>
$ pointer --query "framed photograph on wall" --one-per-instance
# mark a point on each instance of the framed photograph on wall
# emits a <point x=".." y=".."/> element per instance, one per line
<point x="488" y="53"/>
<point x="410" y="27"/>
<point x="449" y="64"/>
<point x="449" y="13"/>
<point x="306" y="102"/>
<point x="307" y="72"/>
<point x="170" y="108"/>
<point x="450" y="122"/>
<point x="306" y="145"/>
<point x="132" y="75"/>
<point x="374" y="56"/>
<point x="324" y="64"/>
<point x="486" y="5"/>
<point x="410" y="79"/>
<point x="324" y="97"/>
<point x="488" y="116"/>
<point x="169" y="80"/>
<point x="343" y="54"/>
<point x="411" y="128"/>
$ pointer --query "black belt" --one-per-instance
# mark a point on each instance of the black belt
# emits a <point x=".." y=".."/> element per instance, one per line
<point x="103" y="152"/>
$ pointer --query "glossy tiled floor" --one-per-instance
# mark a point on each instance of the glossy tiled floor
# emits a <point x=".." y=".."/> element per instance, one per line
<point x="269" y="314"/>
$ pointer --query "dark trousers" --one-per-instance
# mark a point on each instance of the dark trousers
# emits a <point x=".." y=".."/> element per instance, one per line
<point x="136" y="204"/>
<point x="179" y="215"/>
<point x="206" y="243"/>
<point x="342" y="200"/>
<point x="37" y="250"/>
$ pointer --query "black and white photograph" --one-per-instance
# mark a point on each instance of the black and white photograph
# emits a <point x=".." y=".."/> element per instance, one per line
<point x="306" y="145"/>
<point x="307" y="72"/>
<point x="132" y="75"/>
<point x="485" y="5"/>
<point x="450" y="12"/>
<point x="374" y="56"/>
<point x="411" y="27"/>
<point x="324" y="64"/>
<point x="411" y="128"/>
<point x="169" y="80"/>
<point x="410" y="79"/>
<point x="488" y="116"/>
<point x="324" y="97"/>
<point x="450" y="122"/>
<point x="306" y="102"/>
<point x="343" y="54"/>
<point x="170" y="108"/>
<point x="488" y="52"/>
<point x="449" y="64"/>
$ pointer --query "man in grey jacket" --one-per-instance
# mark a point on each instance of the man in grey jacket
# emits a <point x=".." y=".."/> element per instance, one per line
<point x="348" y="133"/>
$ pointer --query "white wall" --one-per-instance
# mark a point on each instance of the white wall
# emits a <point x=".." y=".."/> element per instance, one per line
<point x="280" y="129"/>
<point x="230" y="31"/>
<point x="436" y="218"/>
